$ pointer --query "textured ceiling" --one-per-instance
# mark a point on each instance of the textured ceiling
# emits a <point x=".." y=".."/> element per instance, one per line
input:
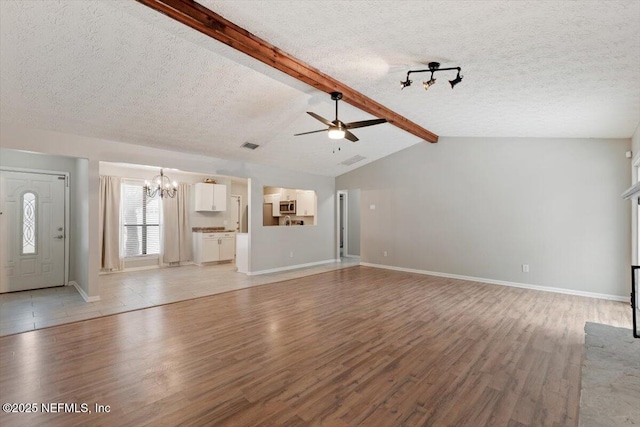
<point x="118" y="70"/>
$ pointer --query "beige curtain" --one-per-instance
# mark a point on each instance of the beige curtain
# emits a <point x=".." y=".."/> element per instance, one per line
<point x="109" y="223"/>
<point x="176" y="234"/>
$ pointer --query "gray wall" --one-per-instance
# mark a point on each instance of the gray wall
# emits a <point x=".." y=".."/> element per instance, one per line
<point x="270" y="246"/>
<point x="80" y="226"/>
<point x="353" y="222"/>
<point x="77" y="170"/>
<point x="482" y="207"/>
<point x="309" y="243"/>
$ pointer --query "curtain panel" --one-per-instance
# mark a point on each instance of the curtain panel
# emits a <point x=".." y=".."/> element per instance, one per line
<point x="109" y="223"/>
<point x="176" y="233"/>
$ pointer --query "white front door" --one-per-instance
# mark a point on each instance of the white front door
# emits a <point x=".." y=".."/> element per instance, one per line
<point x="32" y="234"/>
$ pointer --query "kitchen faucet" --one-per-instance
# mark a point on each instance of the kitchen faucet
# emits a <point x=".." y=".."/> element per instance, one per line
<point x="287" y="220"/>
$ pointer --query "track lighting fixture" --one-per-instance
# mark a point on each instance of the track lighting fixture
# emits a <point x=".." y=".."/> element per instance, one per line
<point x="433" y="67"/>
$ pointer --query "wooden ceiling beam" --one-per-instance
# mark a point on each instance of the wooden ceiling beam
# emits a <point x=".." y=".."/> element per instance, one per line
<point x="210" y="23"/>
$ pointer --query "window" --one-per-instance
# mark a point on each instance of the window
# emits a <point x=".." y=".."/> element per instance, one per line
<point x="141" y="221"/>
<point x="29" y="223"/>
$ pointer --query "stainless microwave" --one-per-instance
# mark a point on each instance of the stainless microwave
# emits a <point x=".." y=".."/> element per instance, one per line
<point x="288" y="207"/>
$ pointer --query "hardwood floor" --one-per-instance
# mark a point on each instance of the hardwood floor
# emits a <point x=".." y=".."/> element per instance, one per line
<point x="357" y="346"/>
<point x="132" y="290"/>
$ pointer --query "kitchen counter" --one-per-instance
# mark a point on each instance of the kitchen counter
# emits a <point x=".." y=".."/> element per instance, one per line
<point x="211" y="230"/>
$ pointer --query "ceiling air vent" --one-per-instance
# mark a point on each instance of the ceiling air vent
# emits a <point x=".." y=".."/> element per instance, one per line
<point x="352" y="160"/>
<point x="250" y="145"/>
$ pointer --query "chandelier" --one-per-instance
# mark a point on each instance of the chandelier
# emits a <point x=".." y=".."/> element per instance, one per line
<point x="161" y="185"/>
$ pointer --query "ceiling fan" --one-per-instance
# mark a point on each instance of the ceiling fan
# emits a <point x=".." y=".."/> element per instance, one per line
<point x="338" y="129"/>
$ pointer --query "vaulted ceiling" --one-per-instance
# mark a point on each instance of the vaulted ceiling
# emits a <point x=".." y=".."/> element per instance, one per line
<point x="121" y="71"/>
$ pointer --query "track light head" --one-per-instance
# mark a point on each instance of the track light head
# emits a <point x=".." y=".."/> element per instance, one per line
<point x="405" y="83"/>
<point x="455" y="81"/>
<point x="429" y="83"/>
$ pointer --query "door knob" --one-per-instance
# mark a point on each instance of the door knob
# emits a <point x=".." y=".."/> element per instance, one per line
<point x="59" y="237"/>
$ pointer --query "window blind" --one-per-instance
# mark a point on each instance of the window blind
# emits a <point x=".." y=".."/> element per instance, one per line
<point x="141" y="221"/>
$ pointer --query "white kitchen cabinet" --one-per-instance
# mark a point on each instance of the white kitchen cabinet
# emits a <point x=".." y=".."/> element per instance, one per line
<point x="274" y="199"/>
<point x="227" y="247"/>
<point x="208" y="247"/>
<point x="306" y="203"/>
<point x="210" y="197"/>
<point x="288" y="194"/>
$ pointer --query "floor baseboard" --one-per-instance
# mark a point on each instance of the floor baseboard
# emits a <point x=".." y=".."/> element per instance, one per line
<point x="83" y="294"/>
<point x="291" y="267"/>
<point x="502" y="282"/>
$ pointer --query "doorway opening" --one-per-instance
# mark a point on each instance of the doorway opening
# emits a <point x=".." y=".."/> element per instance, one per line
<point x="348" y="224"/>
<point x="236" y="213"/>
<point x="342" y="224"/>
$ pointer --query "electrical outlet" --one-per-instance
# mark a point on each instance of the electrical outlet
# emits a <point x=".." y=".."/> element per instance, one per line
<point x="225" y="223"/>
<point x="291" y="254"/>
<point x="525" y="268"/>
<point x="384" y="253"/>
<point x="372" y="207"/>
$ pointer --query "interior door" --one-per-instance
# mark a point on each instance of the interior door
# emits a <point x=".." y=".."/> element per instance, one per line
<point x="32" y="234"/>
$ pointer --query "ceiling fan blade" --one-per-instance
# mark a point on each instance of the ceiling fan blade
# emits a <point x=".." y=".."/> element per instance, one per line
<point x="313" y="131"/>
<point x="319" y="118"/>
<point x="364" y="123"/>
<point x="351" y="137"/>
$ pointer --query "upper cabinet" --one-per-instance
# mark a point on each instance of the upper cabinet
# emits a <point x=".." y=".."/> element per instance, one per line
<point x="210" y="197"/>
<point x="306" y="203"/>
<point x="288" y="194"/>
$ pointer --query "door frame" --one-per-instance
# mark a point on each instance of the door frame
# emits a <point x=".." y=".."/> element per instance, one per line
<point x="66" y="209"/>
<point x="635" y="212"/>
<point x="239" y="211"/>
<point x="345" y="241"/>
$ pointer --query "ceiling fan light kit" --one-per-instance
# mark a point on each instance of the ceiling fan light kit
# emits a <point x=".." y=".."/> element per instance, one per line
<point x="338" y="129"/>
<point x="336" y="133"/>
<point x="433" y="67"/>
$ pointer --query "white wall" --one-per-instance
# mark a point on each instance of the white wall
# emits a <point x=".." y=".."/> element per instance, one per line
<point x="270" y="246"/>
<point x="482" y="207"/>
<point x="78" y="176"/>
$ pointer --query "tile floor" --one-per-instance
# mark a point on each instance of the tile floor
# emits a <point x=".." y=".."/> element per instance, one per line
<point x="120" y="292"/>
